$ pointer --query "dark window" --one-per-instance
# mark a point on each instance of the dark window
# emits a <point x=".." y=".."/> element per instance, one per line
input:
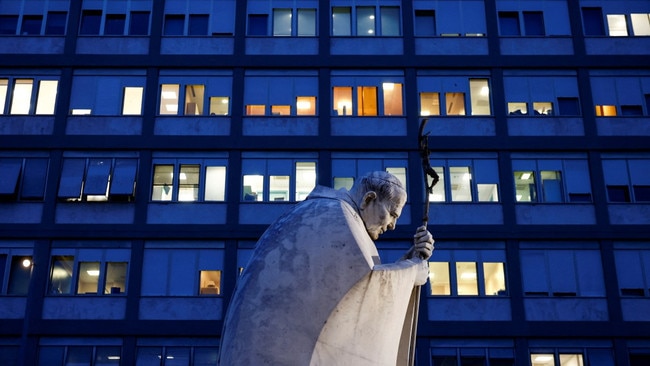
<point x="443" y="361"/>
<point x="568" y="106"/>
<point x="425" y="23"/>
<point x="472" y="361"/>
<point x="618" y="193"/>
<point x="9" y="355"/>
<point x="198" y="25"/>
<point x="3" y="265"/>
<point x="647" y="103"/>
<point x="639" y="360"/>
<point x="90" y="22"/>
<point x="593" y="21"/>
<point x="34" y="177"/>
<point x="258" y="24"/>
<point x="114" y="24"/>
<point x="509" y="23"/>
<point x="139" y="23"/>
<point x="502" y="362"/>
<point x="48" y="355"/>
<point x="641" y="193"/>
<point x="19" y="276"/>
<point x="534" y="23"/>
<point x="174" y="24"/>
<point x="55" y="24"/>
<point x="631" y="110"/>
<point x="31" y="25"/>
<point x="8" y="24"/>
<point x="579" y="197"/>
<point x="632" y="292"/>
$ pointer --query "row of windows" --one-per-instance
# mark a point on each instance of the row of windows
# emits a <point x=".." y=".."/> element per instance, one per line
<point x="168" y="271"/>
<point x="296" y="95"/>
<point x="356" y="21"/>
<point x="462" y="179"/>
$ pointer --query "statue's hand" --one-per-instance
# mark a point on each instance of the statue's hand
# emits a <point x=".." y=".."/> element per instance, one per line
<point x="423" y="272"/>
<point x="422" y="244"/>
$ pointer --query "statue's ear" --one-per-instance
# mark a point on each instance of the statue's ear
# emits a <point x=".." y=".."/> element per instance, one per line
<point x="368" y="198"/>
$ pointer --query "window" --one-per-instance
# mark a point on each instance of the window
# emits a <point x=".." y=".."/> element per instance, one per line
<point x="189" y="180"/>
<point x="277" y="180"/>
<point x="98" y="179"/>
<point x="114" y="24"/>
<point x="368" y="21"/>
<point x="174" y="25"/>
<point x="139" y="23"/>
<point x="549" y="359"/>
<point x="23" y="179"/>
<point x="282" y="22"/>
<point x="79" y="355"/>
<point x="367" y="99"/>
<point x="470" y="352"/>
<point x="347" y="167"/>
<point x="640" y="24"/>
<point x="199" y="96"/>
<point x="292" y="93"/>
<point x="550" y="271"/>
<point x="194" y="100"/>
<point x="56" y="23"/>
<point x="15" y="271"/>
<point x="617" y="95"/>
<point x="534" y="23"/>
<point x="107" y="94"/>
<point x="593" y="21"/>
<point x="88" y="271"/>
<point x="552" y="180"/>
<point x="8" y="24"/>
<point x="465" y="180"/>
<point x="633" y="268"/>
<point x="627" y="180"/>
<point x="90" y="22"/>
<point x="198" y="25"/>
<point x="306" y="22"/>
<point x="132" y="101"/>
<point x="22" y="94"/>
<point x="541" y="95"/>
<point x="182" y="269"/>
<point x="451" y="92"/>
<point x="468" y="273"/>
<point x="425" y="23"/>
<point x="617" y="25"/>
<point x="509" y="23"/>
<point x="170" y="356"/>
<point x="31" y="25"/>
<point x="258" y="24"/>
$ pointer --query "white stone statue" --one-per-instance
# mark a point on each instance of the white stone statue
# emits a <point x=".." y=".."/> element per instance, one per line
<point x="315" y="292"/>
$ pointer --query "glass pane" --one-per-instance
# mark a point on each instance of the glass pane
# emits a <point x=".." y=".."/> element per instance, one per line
<point x="115" y="278"/>
<point x="534" y="23"/>
<point x="455" y="104"/>
<point x="552" y="186"/>
<point x="198" y="25"/>
<point x="487" y="193"/>
<point x="306" y="106"/>
<point x="342" y="101"/>
<point x="132" y="103"/>
<point x="253" y="188"/>
<point x="571" y="360"/>
<point x="8" y="24"/>
<point x="205" y="356"/>
<point x="438" y="192"/>
<point x="149" y="356"/>
<point x="194" y="100"/>
<point x="215" y="183"/>
<point x="606" y="110"/>
<point x="139" y="23"/>
<point x="525" y="186"/>
<point x="177" y="356"/>
<point x="495" y="283"/>
<point x="544" y="108"/>
<point x="429" y="104"/>
<point x="399" y="173"/>
<point x="21" y="272"/>
<point x="466" y="278"/>
<point x="281" y="22"/>
<point x="517" y="108"/>
<point x="617" y="25"/>
<point x="541" y="359"/>
<point x="188" y="184"/>
<point x="343" y="182"/>
<point x="392" y="99"/>
<point x="46" y="99"/>
<point x="210" y="282"/>
<point x="219" y="106"/>
<point x="61" y="274"/>
<point x="88" y="280"/>
<point x="305" y="179"/>
<point x="593" y="21"/>
<point x="365" y="21"/>
<point x="439" y="278"/>
<point x="618" y="193"/>
<point x="22" y="96"/>
<point x="107" y="356"/>
<point x="509" y="23"/>
<point x="306" y="22"/>
<point x="55" y="24"/>
<point x="279" y="188"/>
<point x="255" y="110"/>
<point x="174" y="24"/>
<point x="79" y="356"/>
<point x="390" y="17"/>
<point x="169" y="98"/>
<point x="115" y="24"/>
<point x="641" y="24"/>
<point x="163" y="176"/>
<point x="280" y="110"/>
<point x="31" y="25"/>
<point x="460" y="179"/>
<point x="367" y="101"/>
<point x="479" y="95"/>
<point x="341" y="21"/>
<point x="48" y="356"/>
<point x="257" y="24"/>
<point x="4" y="85"/>
<point x="90" y="22"/>
<point x="425" y="23"/>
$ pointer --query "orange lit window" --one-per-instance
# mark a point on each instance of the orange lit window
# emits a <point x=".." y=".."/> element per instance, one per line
<point x="429" y="104"/>
<point x="605" y="110"/>
<point x="255" y="110"/>
<point x="280" y="110"/>
<point x="367" y="100"/>
<point x="306" y="106"/>
<point x="343" y="100"/>
<point x="392" y="99"/>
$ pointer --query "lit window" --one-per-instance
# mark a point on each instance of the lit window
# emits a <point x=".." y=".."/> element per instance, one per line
<point x="640" y="24"/>
<point x="367" y="101"/>
<point x="255" y="110"/>
<point x="517" y="108"/>
<point x="115" y="279"/>
<point x="209" y="282"/>
<point x="543" y="108"/>
<point x="46" y="99"/>
<point x="22" y="96"/>
<point x="194" y="100"/>
<point x="365" y="21"/>
<point x="163" y="176"/>
<point x="439" y="278"/>
<point x="343" y="182"/>
<point x="253" y="188"/>
<point x="279" y="188"/>
<point x="438" y="192"/>
<point x="341" y="21"/>
<point x="525" y="186"/>
<point x="606" y="110"/>
<point x="215" y="183"/>
<point x="306" y="106"/>
<point x="305" y="179"/>
<point x="392" y="99"/>
<point x="494" y="275"/>
<point x="399" y="173"/>
<point x="343" y="100"/>
<point x="429" y="104"/>
<point x="479" y="94"/>
<point x="542" y="359"/>
<point x="61" y="274"/>
<point x="88" y="278"/>
<point x="455" y="104"/>
<point x="280" y="110"/>
<point x="460" y="181"/>
<point x="281" y="22"/>
<point x="4" y="85"/>
<point x="188" y="186"/>
<point x="571" y="360"/>
<point x="219" y="106"/>
<point x="169" y="99"/>
<point x="466" y="278"/>
<point x="487" y="192"/>
<point x="306" y="22"/>
<point x="617" y="25"/>
<point x="132" y="102"/>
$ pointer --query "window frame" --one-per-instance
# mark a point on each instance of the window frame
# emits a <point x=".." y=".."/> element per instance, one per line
<point x="203" y="165"/>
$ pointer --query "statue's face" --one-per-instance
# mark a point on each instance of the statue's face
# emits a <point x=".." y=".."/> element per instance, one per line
<point x="380" y="214"/>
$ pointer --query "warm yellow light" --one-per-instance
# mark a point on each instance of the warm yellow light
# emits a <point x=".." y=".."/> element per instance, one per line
<point x="27" y="262"/>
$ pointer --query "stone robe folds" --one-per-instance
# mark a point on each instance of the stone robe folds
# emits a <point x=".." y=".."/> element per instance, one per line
<point x="314" y="293"/>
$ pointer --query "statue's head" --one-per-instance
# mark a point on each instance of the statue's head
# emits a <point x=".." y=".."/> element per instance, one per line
<point x="381" y="197"/>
